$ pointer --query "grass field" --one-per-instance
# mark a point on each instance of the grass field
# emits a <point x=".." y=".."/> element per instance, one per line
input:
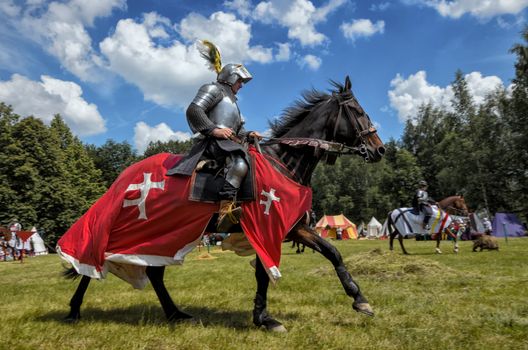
<point x="422" y="301"/>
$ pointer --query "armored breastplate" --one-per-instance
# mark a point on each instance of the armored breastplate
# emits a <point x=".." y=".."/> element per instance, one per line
<point x="226" y="114"/>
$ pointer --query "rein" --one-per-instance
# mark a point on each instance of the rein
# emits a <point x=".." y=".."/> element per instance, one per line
<point x="327" y="146"/>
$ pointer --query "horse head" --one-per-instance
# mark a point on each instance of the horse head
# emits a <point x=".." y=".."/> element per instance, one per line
<point x="460" y="205"/>
<point x="454" y="205"/>
<point x="351" y="125"/>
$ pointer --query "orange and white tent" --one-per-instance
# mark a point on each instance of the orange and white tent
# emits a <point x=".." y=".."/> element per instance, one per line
<point x="328" y="225"/>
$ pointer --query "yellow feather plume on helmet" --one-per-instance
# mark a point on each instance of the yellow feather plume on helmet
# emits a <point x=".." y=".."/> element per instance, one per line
<point x="211" y="54"/>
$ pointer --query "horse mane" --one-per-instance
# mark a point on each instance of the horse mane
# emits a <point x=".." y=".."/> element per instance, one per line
<point x="301" y="108"/>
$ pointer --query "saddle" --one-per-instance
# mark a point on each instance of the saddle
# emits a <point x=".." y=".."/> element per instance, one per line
<point x="207" y="181"/>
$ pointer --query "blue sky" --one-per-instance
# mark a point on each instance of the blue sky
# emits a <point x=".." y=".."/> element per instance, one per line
<point x="126" y="70"/>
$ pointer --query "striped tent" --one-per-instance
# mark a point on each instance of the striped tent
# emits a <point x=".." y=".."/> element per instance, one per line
<point x="327" y="226"/>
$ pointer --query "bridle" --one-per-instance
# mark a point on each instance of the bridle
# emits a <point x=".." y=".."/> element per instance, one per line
<point x="333" y="146"/>
<point x="361" y="133"/>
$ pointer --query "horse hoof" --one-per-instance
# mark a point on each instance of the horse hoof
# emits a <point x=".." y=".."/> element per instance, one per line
<point x="364" y="308"/>
<point x="438" y="251"/>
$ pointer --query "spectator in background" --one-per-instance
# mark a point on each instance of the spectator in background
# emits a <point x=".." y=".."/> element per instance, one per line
<point x="487" y="226"/>
<point x="339" y="233"/>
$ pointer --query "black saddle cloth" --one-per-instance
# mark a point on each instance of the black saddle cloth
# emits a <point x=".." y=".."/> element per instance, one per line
<point x="207" y="183"/>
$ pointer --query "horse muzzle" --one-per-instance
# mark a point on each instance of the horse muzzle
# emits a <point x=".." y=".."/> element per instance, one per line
<point x="371" y="154"/>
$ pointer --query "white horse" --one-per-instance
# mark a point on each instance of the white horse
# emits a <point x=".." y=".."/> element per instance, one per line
<point x="406" y="222"/>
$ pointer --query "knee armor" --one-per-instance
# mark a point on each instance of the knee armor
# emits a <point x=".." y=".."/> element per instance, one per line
<point x="237" y="169"/>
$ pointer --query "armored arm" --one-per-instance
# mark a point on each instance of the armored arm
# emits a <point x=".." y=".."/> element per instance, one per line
<point x="206" y="98"/>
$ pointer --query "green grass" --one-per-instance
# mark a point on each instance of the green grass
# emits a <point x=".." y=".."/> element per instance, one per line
<point x="422" y="301"/>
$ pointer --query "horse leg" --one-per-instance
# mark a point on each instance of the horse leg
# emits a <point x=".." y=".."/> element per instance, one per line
<point x="155" y="275"/>
<point x="77" y="299"/>
<point x="438" y="239"/>
<point x="260" y="314"/>
<point x="392" y="235"/>
<point x="307" y="236"/>
<point x="400" y="239"/>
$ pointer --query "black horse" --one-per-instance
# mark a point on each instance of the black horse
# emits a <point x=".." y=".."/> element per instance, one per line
<point x="319" y="128"/>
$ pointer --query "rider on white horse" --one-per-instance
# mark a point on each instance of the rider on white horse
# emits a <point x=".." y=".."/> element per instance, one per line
<point x="422" y="203"/>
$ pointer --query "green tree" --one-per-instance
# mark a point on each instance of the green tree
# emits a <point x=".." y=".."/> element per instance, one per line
<point x="517" y="118"/>
<point x="401" y="177"/>
<point x="172" y="146"/>
<point x="112" y="158"/>
<point x="11" y="156"/>
<point x="77" y="184"/>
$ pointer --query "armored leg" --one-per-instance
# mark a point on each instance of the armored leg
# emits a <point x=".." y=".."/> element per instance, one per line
<point x="428" y="212"/>
<point x="229" y="214"/>
<point x="236" y="170"/>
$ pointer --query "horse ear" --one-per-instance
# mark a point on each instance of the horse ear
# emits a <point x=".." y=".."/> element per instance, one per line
<point x="348" y="84"/>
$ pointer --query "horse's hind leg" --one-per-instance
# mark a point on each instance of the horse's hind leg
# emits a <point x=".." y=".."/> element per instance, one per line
<point x="155" y="275"/>
<point x="307" y="236"/>
<point x="260" y="314"/>
<point x="77" y="299"/>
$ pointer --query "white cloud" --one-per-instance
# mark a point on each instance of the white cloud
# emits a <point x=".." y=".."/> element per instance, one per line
<point x="242" y="7"/>
<point x="311" y="61"/>
<point x="9" y="8"/>
<point x="407" y="95"/>
<point x="284" y="53"/>
<point x="144" y="134"/>
<point x="49" y="97"/>
<point x="59" y="27"/>
<point x="169" y="72"/>
<point x="361" y="28"/>
<point x="476" y="8"/>
<point x="299" y="16"/>
<point x="170" y="75"/>
<point x="231" y="35"/>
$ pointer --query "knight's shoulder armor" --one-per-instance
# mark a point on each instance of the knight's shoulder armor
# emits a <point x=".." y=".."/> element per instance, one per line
<point x="208" y="95"/>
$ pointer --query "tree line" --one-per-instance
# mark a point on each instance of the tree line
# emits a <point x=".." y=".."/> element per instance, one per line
<point x="49" y="177"/>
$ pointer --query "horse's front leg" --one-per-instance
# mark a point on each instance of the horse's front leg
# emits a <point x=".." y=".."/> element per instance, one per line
<point x="304" y="234"/>
<point x="155" y="275"/>
<point x="260" y="314"/>
<point x="438" y="239"/>
<point x="77" y="299"/>
<point x="400" y="239"/>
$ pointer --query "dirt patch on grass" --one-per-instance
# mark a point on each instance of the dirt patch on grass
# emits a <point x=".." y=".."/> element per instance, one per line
<point x="205" y="256"/>
<point x="386" y="265"/>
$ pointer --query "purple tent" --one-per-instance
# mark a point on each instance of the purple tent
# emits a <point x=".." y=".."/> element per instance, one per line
<point x="507" y="222"/>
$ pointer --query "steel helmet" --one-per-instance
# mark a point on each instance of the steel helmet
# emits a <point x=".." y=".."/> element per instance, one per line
<point x="232" y="72"/>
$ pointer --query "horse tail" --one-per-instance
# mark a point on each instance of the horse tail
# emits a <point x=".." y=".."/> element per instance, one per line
<point x="70" y="273"/>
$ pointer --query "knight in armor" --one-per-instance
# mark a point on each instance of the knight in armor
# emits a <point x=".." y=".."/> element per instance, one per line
<point x="215" y="118"/>
<point x="422" y="203"/>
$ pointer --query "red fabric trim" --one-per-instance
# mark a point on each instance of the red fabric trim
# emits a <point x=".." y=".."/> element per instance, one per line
<point x="443" y="222"/>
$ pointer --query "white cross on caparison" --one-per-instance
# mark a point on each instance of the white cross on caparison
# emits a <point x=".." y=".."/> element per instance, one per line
<point x="144" y="189"/>
<point x="271" y="197"/>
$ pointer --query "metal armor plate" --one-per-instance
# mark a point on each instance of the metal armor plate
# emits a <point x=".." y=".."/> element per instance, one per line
<point x="226" y="113"/>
